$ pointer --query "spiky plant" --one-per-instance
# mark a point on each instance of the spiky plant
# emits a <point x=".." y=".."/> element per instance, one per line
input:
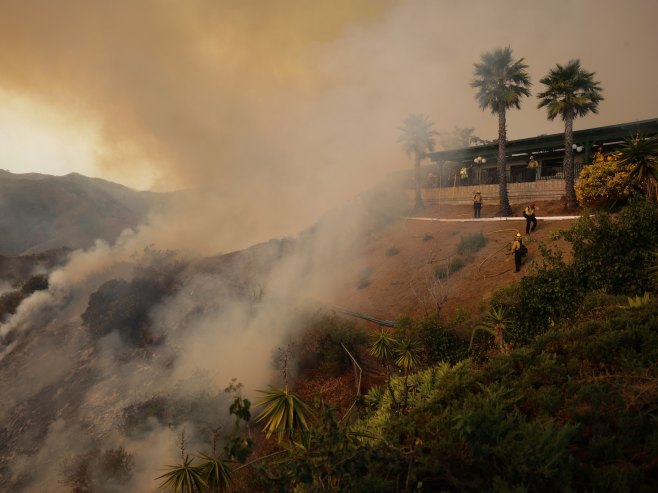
<point x="216" y="473"/>
<point x="501" y="82"/>
<point x="570" y="92"/>
<point x="284" y="413"/>
<point x="495" y="323"/>
<point x="407" y="358"/>
<point x="640" y="154"/>
<point x="638" y="301"/>
<point x="183" y="478"/>
<point x="383" y="348"/>
<point x="407" y="355"/>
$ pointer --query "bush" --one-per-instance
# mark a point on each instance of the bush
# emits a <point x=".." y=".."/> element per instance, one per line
<point x="611" y="254"/>
<point x="471" y="243"/>
<point x="439" y="343"/>
<point x="392" y="251"/>
<point x="452" y="266"/>
<point x="364" y="278"/>
<point x="321" y="341"/>
<point x="603" y="180"/>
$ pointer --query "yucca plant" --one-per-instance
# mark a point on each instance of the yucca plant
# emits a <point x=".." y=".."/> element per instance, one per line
<point x="407" y="355"/>
<point x="183" y="478"/>
<point x="284" y="412"/>
<point x="638" y="301"/>
<point x="383" y="348"/>
<point x="495" y="324"/>
<point x="641" y="155"/>
<point x="216" y="472"/>
<point x="407" y="358"/>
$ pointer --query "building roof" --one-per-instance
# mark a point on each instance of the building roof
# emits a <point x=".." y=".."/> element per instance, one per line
<point x="588" y="138"/>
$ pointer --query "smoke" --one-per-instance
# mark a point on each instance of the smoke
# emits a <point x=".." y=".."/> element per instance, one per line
<point x="66" y="390"/>
<point x="282" y="110"/>
<point x="269" y="114"/>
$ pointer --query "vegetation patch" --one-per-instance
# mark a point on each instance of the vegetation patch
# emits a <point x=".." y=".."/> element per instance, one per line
<point x="364" y="278"/>
<point x="471" y="243"/>
<point x="392" y="251"/>
<point x="446" y="270"/>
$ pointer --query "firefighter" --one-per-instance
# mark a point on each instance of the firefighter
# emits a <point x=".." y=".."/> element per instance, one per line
<point x="477" y="204"/>
<point x="519" y="250"/>
<point x="529" y="214"/>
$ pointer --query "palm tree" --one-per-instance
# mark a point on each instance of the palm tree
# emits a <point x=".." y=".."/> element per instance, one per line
<point x="640" y="154"/>
<point x="418" y="139"/>
<point x="571" y="91"/>
<point x="501" y="82"/>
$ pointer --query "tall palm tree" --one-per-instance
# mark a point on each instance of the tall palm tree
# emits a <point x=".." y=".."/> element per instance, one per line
<point x="640" y="154"/>
<point x="501" y="82"/>
<point x="418" y="139"/>
<point x="570" y="91"/>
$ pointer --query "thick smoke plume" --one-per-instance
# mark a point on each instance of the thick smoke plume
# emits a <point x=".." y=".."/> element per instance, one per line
<point x="268" y="114"/>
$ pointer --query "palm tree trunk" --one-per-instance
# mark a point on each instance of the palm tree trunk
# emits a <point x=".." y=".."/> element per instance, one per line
<point x="505" y="209"/>
<point x="569" y="190"/>
<point x="419" y="199"/>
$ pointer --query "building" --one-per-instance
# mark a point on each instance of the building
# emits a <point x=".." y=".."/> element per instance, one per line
<point x="455" y="174"/>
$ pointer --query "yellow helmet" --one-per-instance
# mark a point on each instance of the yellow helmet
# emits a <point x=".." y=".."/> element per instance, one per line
<point x="518" y="235"/>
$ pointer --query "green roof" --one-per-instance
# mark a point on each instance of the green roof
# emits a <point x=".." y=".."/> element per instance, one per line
<point x="587" y="138"/>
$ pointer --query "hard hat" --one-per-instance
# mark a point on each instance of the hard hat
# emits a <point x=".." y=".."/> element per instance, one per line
<point x="518" y="235"/>
<point x="477" y="191"/>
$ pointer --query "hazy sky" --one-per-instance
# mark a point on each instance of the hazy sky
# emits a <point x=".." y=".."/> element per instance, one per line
<point x="255" y="96"/>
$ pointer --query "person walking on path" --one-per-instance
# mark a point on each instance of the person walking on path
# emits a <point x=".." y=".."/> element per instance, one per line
<point x="519" y="250"/>
<point x="477" y="204"/>
<point x="529" y="214"/>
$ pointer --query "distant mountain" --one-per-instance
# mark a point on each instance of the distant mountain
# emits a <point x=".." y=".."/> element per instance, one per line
<point x="43" y="212"/>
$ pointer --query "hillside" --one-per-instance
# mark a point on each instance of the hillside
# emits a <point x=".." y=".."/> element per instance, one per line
<point x="404" y="283"/>
<point x="42" y="212"/>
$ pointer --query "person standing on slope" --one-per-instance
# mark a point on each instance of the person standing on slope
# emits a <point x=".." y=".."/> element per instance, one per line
<point x="529" y="214"/>
<point x="519" y="250"/>
<point x="477" y="204"/>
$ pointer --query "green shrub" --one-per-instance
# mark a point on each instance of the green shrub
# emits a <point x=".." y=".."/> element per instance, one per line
<point x="611" y="254"/>
<point x="392" y="251"/>
<point x="439" y="343"/>
<point x="364" y="278"/>
<point x="452" y="266"/>
<point x="427" y="237"/>
<point x="322" y="338"/>
<point x="471" y="243"/>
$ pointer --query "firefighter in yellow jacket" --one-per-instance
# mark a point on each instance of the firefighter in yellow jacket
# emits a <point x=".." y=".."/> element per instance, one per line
<point x="529" y="214"/>
<point x="477" y="204"/>
<point x="519" y="250"/>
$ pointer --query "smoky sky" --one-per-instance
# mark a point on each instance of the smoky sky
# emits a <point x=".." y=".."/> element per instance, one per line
<point x="284" y="109"/>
